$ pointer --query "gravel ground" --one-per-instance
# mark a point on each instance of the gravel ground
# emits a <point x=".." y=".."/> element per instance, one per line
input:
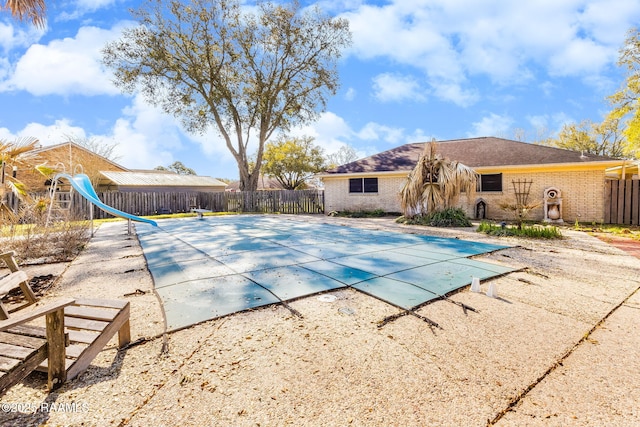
<point x="556" y="348"/>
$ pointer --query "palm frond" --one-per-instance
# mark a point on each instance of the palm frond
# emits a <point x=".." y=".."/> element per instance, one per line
<point x="435" y="183"/>
<point x="45" y="170"/>
<point x="17" y="188"/>
<point x="28" y="10"/>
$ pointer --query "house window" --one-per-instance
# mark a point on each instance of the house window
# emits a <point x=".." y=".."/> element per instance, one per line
<point x="363" y="185"/>
<point x="490" y="182"/>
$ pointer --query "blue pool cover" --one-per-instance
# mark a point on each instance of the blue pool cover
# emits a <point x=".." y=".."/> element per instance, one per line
<point x="204" y="269"/>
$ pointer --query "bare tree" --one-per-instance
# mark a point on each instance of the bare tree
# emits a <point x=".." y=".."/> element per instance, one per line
<point x="177" y="167"/>
<point x="346" y="154"/>
<point x="95" y="145"/>
<point x="246" y="72"/>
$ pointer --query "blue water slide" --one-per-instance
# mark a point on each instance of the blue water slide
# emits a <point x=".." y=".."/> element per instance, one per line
<point x="82" y="184"/>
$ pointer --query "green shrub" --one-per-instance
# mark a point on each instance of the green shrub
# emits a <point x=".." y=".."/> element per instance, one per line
<point x="451" y="217"/>
<point x="532" y="231"/>
<point x="376" y="213"/>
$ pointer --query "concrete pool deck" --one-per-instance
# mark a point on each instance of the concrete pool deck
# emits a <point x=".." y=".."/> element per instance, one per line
<point x="558" y="347"/>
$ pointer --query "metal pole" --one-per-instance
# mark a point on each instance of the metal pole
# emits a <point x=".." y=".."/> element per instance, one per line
<point x="2" y="189"/>
<point x="91" y="217"/>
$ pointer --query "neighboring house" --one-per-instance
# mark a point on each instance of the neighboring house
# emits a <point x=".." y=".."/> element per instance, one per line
<point x="157" y="182"/>
<point x="264" y="184"/>
<point x="107" y="175"/>
<point x="66" y="157"/>
<point x="268" y="184"/>
<point x="375" y="182"/>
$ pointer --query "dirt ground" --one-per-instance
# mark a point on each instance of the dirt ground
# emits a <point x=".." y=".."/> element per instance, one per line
<point x="557" y="347"/>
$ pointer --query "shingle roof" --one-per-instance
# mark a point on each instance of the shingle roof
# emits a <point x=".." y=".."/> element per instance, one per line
<point x="473" y="152"/>
<point x="145" y="179"/>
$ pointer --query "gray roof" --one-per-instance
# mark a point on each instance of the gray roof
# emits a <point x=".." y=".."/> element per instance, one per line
<point x="159" y="179"/>
<point x="472" y="152"/>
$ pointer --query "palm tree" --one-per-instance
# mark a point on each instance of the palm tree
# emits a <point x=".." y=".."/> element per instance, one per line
<point x="28" y="10"/>
<point x="435" y="183"/>
<point x="12" y="155"/>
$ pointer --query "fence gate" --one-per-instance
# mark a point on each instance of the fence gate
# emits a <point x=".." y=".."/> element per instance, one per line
<point x="622" y="201"/>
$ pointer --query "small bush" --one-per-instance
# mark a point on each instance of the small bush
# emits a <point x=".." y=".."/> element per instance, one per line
<point x="36" y="243"/>
<point x="532" y="231"/>
<point x="451" y="217"/>
<point x="376" y="213"/>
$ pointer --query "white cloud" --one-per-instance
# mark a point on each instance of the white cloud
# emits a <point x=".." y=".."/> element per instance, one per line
<point x="405" y="35"/>
<point x="509" y="42"/>
<point x="65" y="66"/>
<point x="94" y="4"/>
<point x="82" y="8"/>
<point x="330" y="132"/>
<point x="377" y="132"/>
<point x="135" y="149"/>
<point x="12" y="37"/>
<point x="605" y="19"/>
<point x="390" y="87"/>
<point x="547" y="88"/>
<point x="146" y="136"/>
<point x="350" y="94"/>
<point x="492" y="125"/>
<point x="456" y="93"/>
<point x="47" y="134"/>
<point x="539" y="122"/>
<point x="581" y="57"/>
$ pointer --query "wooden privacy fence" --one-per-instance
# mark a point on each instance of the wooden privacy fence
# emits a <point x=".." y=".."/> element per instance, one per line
<point x="280" y="201"/>
<point x="622" y="202"/>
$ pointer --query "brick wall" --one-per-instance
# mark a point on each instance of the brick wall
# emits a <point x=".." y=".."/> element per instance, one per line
<point x="582" y="195"/>
<point x="338" y="198"/>
<point x="62" y="159"/>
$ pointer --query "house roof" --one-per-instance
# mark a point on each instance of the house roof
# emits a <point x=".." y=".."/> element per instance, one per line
<point x="160" y="179"/>
<point x="77" y="147"/>
<point x="472" y="152"/>
<point x="266" y="183"/>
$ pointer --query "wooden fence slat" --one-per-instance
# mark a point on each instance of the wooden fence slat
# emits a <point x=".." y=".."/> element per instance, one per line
<point x="620" y="217"/>
<point x="613" y="205"/>
<point x="635" y="202"/>
<point x="149" y="203"/>
<point x="622" y="202"/>
<point x="627" y="202"/>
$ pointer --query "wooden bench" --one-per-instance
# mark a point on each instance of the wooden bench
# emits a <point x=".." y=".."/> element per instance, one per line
<point x="16" y="279"/>
<point x="20" y="353"/>
<point x="87" y="325"/>
<point x="91" y="323"/>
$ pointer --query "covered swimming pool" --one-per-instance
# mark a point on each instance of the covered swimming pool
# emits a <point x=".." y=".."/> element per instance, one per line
<point x="204" y="269"/>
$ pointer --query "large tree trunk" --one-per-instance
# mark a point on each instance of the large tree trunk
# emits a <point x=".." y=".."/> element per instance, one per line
<point x="249" y="181"/>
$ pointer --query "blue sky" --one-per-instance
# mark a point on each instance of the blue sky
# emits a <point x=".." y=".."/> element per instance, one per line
<point x="418" y="69"/>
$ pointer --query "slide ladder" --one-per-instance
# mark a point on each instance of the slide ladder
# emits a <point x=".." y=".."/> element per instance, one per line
<point x="60" y="202"/>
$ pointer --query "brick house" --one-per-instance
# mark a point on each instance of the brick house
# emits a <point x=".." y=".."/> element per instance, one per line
<point x="374" y="182"/>
<point x="107" y="175"/>
<point x="65" y="157"/>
